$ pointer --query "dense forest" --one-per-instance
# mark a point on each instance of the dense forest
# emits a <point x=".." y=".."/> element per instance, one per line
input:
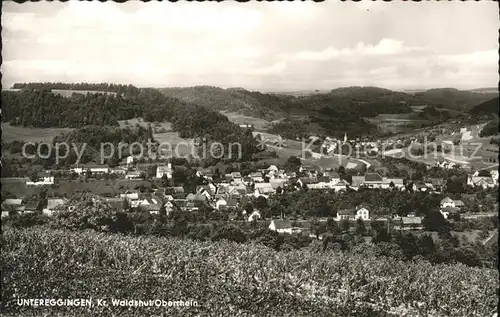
<point x="39" y="107"/>
<point x="488" y="108"/>
<point x="451" y="98"/>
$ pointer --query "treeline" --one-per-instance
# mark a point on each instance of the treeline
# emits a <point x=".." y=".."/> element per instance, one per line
<point x="77" y="86"/>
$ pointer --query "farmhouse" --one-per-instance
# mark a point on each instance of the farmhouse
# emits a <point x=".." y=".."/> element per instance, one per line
<point x="363" y="214"/>
<point x="43" y="178"/>
<point x="53" y="205"/>
<point x="346" y="214"/>
<point x="281" y="226"/>
<point x="481" y="181"/>
<point x="164" y="171"/>
<point x="411" y="223"/>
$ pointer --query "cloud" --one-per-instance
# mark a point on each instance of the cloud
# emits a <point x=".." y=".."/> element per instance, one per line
<point x="264" y="45"/>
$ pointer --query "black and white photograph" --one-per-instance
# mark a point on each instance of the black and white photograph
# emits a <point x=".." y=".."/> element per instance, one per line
<point x="250" y="158"/>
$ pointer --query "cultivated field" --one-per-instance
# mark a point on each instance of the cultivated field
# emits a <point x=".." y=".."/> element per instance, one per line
<point x="14" y="133"/>
<point x="259" y="124"/>
<point x="229" y="279"/>
<point x="162" y="132"/>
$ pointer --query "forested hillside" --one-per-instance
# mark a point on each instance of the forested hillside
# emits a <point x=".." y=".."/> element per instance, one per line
<point x="39" y="107"/>
<point x="487" y="108"/>
<point x="455" y="99"/>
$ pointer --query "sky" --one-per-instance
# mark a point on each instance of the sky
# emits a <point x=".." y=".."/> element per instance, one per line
<point x="266" y="46"/>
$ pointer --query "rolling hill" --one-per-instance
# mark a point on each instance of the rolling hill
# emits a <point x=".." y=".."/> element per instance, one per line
<point x="487" y="108"/>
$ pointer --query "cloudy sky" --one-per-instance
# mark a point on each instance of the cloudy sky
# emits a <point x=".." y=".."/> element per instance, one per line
<point x="261" y="46"/>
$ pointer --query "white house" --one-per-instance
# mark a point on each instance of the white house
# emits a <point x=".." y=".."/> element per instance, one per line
<point x="52" y="206"/>
<point x="447" y="202"/>
<point x="221" y="203"/>
<point x="130" y="160"/>
<point x="164" y="170"/>
<point x="363" y="214"/>
<point x="281" y="226"/>
<point x="130" y="196"/>
<point x="254" y="216"/>
<point x="43" y="179"/>
<point x="133" y="175"/>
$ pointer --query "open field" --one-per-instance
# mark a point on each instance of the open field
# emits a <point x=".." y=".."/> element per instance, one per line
<point x="230" y="279"/>
<point x="259" y="124"/>
<point x="162" y="132"/>
<point x="13" y="133"/>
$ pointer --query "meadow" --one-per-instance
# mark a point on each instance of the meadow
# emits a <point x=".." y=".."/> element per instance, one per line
<point x="259" y="124"/>
<point x="230" y="279"/>
<point x="15" y="133"/>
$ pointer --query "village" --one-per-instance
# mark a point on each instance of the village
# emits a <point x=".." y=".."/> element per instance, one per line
<point x="231" y="193"/>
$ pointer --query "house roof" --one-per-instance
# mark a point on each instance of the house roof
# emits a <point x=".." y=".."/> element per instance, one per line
<point x="346" y="212"/>
<point x="13" y="201"/>
<point x="241" y="191"/>
<point x="174" y="190"/>
<point x="411" y="220"/>
<point x="308" y="180"/>
<point x="236" y="174"/>
<point x="153" y="207"/>
<point x="164" y="168"/>
<point x="341" y="182"/>
<point x="263" y="185"/>
<point x="255" y="175"/>
<point x="198" y="197"/>
<point x="435" y="181"/>
<point x="32" y="205"/>
<point x="446" y="200"/>
<point x="282" y="224"/>
<point x="332" y="174"/>
<point x="395" y="181"/>
<point x="324" y="179"/>
<point x="458" y="202"/>
<point x="350" y="165"/>
<point x="450" y="209"/>
<point x="373" y="177"/>
<point x="265" y="190"/>
<point x="357" y="180"/>
<point x="53" y="203"/>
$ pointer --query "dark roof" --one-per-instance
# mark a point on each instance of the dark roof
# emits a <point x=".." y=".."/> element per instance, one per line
<point x="174" y="190"/>
<point x="282" y="224"/>
<point x="450" y="209"/>
<point x="373" y="177"/>
<point x="411" y="220"/>
<point x="325" y="179"/>
<point x="308" y="180"/>
<point x="346" y="212"/>
<point x="332" y="174"/>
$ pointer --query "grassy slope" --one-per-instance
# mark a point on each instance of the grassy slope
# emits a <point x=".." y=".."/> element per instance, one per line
<point x="13" y="133"/>
<point x="228" y="279"/>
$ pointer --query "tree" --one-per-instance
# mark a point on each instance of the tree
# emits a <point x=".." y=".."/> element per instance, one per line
<point x="125" y="204"/>
<point x="434" y="221"/>
<point x="34" y="177"/>
<point x="293" y="163"/>
<point x="360" y="227"/>
<point x="344" y="225"/>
